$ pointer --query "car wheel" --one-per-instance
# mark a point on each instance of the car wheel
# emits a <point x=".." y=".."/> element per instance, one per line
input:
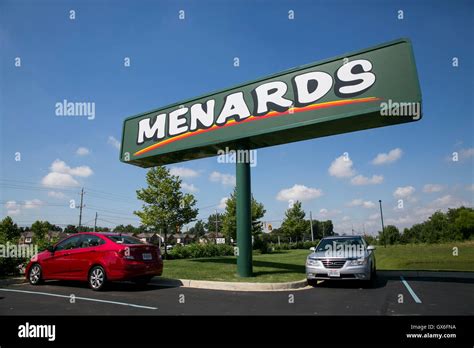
<point x="370" y="283"/>
<point x="35" y="274"/>
<point x="97" y="278"/>
<point x="312" y="282"/>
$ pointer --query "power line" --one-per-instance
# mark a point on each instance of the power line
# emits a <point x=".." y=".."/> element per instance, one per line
<point x="80" y="207"/>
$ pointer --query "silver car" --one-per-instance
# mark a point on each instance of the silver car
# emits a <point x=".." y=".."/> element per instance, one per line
<point x="341" y="257"/>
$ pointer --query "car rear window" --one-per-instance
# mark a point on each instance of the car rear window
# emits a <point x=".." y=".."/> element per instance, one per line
<point x="125" y="240"/>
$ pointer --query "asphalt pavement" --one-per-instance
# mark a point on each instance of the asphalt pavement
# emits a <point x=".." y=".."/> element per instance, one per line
<point x="392" y="294"/>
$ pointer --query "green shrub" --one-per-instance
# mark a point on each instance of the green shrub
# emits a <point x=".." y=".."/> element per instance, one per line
<point x="261" y="243"/>
<point x="200" y="250"/>
<point x="297" y="245"/>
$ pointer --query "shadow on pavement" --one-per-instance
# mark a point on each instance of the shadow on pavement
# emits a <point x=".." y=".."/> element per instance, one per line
<point x="112" y="286"/>
<point x="384" y="276"/>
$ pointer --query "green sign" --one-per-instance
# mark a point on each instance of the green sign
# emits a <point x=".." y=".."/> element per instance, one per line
<point x="367" y="89"/>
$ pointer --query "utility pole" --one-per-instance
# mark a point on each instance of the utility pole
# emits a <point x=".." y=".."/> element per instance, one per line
<point x="80" y="210"/>
<point x="95" y="222"/>
<point x="383" y="228"/>
<point x="311" y="224"/>
<point x="217" y="227"/>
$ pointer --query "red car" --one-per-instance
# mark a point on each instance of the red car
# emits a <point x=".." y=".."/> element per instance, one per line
<point x="97" y="258"/>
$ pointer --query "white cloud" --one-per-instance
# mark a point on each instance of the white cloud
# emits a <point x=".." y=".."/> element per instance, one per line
<point x="403" y="192"/>
<point x="32" y="204"/>
<point x="444" y="201"/>
<point x="346" y="218"/>
<point x="189" y="187"/>
<point x="82" y="151"/>
<point x="462" y="155"/>
<point x="224" y="179"/>
<point x="299" y="193"/>
<point x="401" y="221"/>
<point x="184" y="172"/>
<point x="341" y="167"/>
<point x="390" y="157"/>
<point x="424" y="211"/>
<point x="361" y="203"/>
<point x="13" y="208"/>
<point x="430" y="188"/>
<point x="56" y="194"/>
<point x="374" y="216"/>
<point x="328" y="213"/>
<point x="59" y="179"/>
<point x="59" y="166"/>
<point x="223" y="202"/>
<point x="114" y="142"/>
<point x="466" y="153"/>
<point x="363" y="180"/>
<point x="470" y="187"/>
<point x="63" y="175"/>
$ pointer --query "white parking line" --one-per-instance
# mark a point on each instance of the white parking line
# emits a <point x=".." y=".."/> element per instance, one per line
<point x="410" y="290"/>
<point x="79" y="298"/>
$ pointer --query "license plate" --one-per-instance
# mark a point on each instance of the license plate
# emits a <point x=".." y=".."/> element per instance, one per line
<point x="146" y="256"/>
<point x="334" y="273"/>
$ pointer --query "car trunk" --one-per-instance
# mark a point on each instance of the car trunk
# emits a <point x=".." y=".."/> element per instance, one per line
<point x="141" y="252"/>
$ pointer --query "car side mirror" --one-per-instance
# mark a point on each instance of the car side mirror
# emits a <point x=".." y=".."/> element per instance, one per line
<point x="313" y="249"/>
<point x="370" y="247"/>
<point x="50" y="249"/>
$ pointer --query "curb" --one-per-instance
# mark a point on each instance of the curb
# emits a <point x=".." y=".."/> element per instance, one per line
<point x="230" y="286"/>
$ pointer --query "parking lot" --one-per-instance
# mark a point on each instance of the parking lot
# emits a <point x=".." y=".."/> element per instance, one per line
<point x="393" y="294"/>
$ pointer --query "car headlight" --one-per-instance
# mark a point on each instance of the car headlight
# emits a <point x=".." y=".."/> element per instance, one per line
<point x="312" y="262"/>
<point x="358" y="262"/>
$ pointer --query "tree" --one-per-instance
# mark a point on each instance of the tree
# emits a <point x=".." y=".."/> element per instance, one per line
<point x="210" y="225"/>
<point x="165" y="206"/>
<point x="70" y="229"/>
<point x="9" y="231"/>
<point x="120" y="228"/>
<point x="464" y="223"/>
<point x="294" y="224"/>
<point x="229" y="220"/>
<point x="390" y="235"/>
<point x="40" y="230"/>
<point x="323" y="228"/>
<point x="198" y="229"/>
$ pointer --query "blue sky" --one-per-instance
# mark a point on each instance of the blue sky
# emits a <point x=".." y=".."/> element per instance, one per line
<point x="173" y="59"/>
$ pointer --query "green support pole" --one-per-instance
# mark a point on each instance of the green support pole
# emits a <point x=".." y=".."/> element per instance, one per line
<point x="244" y="217"/>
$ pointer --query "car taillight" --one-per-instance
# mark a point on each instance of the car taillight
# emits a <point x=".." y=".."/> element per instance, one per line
<point x="125" y="254"/>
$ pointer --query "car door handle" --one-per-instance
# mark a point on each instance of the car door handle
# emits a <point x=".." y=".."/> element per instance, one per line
<point x="66" y="254"/>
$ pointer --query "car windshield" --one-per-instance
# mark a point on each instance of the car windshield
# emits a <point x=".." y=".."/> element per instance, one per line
<point x="125" y="240"/>
<point x="333" y="243"/>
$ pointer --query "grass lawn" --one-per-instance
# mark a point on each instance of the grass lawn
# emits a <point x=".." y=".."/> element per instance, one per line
<point x="434" y="257"/>
<point x="286" y="266"/>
